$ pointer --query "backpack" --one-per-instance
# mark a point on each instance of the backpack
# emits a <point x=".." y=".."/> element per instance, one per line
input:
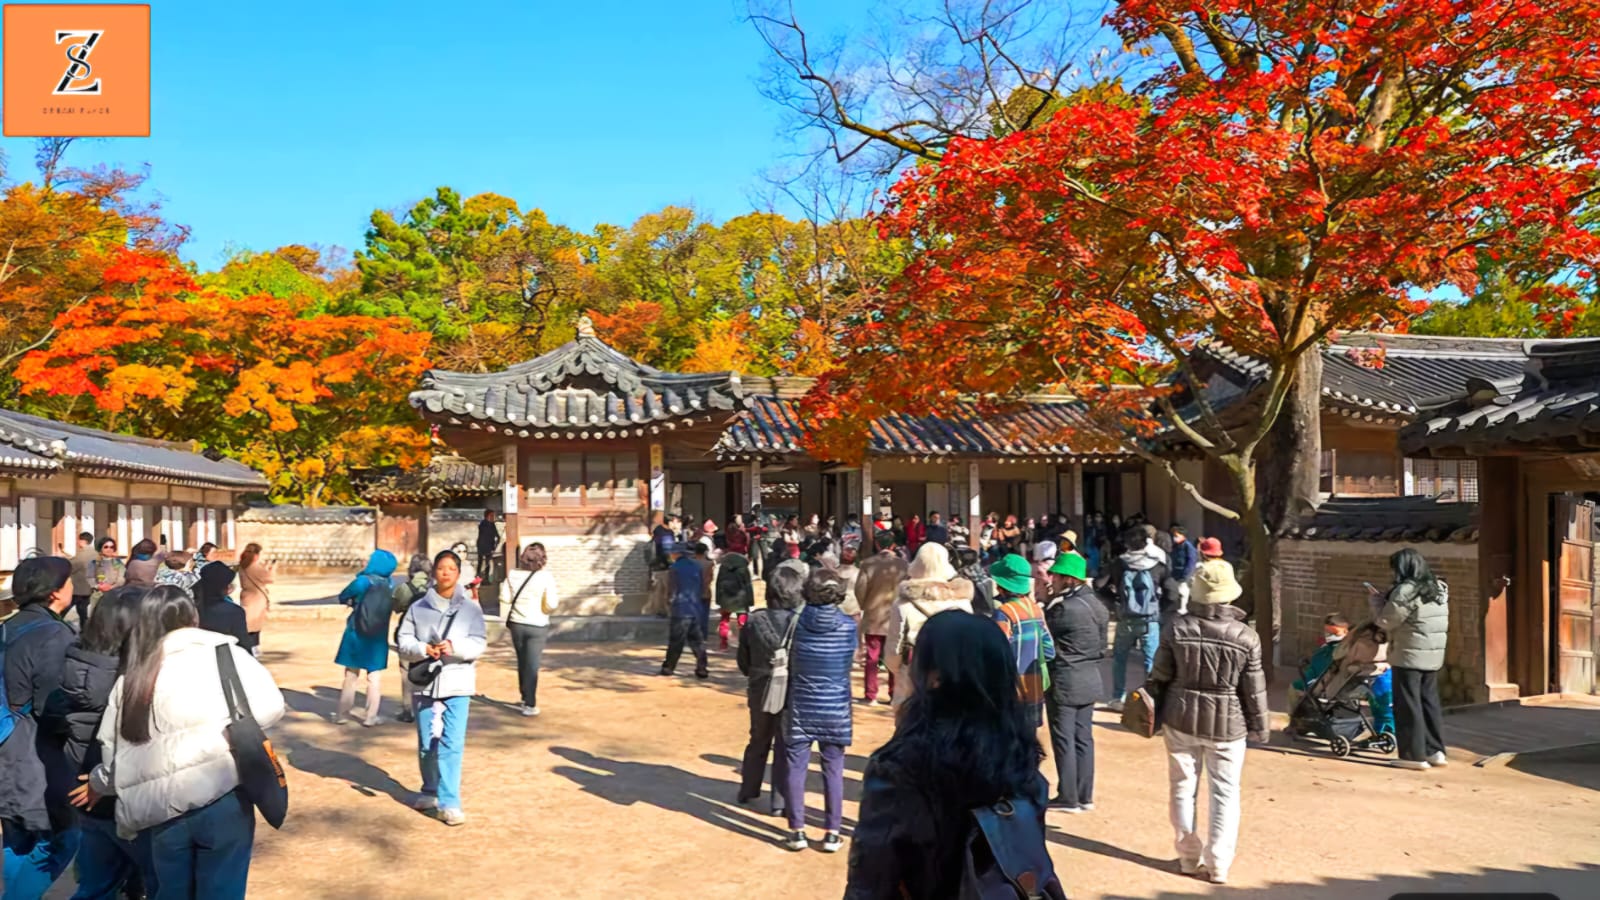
<point x="1005" y="856"/>
<point x="1141" y="597"/>
<point x="407" y="593"/>
<point x="8" y="716"/>
<point x="374" y="609"/>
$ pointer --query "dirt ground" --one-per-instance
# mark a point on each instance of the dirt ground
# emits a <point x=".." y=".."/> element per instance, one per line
<point x="625" y="787"/>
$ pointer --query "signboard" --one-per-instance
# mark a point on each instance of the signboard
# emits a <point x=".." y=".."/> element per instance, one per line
<point x="658" y="480"/>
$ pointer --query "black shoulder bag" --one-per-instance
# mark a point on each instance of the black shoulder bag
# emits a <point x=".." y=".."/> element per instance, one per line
<point x="423" y="673"/>
<point x="260" y="773"/>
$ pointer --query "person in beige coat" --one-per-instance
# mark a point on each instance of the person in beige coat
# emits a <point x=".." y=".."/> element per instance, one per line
<point x="931" y="587"/>
<point x="876" y="588"/>
<point x="255" y="575"/>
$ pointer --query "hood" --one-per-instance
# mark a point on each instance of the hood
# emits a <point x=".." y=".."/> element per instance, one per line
<point x="90" y="659"/>
<point x="1083" y="590"/>
<point x="956" y="590"/>
<point x="214" y="580"/>
<point x="1143" y="560"/>
<point x="381" y="563"/>
<point x="194" y="639"/>
<point x="770" y="624"/>
<point x="820" y="619"/>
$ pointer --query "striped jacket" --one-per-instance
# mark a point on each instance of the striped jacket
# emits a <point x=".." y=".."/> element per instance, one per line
<point x="1023" y="623"/>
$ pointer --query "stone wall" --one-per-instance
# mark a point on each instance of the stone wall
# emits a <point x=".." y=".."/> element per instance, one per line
<point x="1320" y="577"/>
<point x="447" y="527"/>
<point x="310" y="540"/>
<point x="595" y="575"/>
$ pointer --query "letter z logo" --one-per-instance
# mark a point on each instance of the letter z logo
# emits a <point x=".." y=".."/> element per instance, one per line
<point x="79" y="45"/>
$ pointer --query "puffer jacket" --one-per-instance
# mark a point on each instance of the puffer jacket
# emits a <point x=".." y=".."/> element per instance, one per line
<point x="876" y="586"/>
<point x="424" y="623"/>
<point x="919" y="600"/>
<point x="1417" y="629"/>
<point x="1208" y="675"/>
<point x="762" y="634"/>
<point x="86" y="683"/>
<point x="1077" y="622"/>
<point x="735" y="591"/>
<point x="820" y="660"/>
<point x="186" y="764"/>
<point x="34" y="776"/>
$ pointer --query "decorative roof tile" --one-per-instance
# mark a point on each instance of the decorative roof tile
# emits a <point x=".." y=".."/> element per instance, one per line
<point x="37" y="443"/>
<point x="310" y="515"/>
<point x="446" y="477"/>
<point x="1390" y="519"/>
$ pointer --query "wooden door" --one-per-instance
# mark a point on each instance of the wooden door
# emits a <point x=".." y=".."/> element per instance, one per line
<point x="1573" y="615"/>
<point x="400" y="531"/>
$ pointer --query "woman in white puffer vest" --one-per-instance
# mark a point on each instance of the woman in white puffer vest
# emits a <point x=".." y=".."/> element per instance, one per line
<point x="167" y="757"/>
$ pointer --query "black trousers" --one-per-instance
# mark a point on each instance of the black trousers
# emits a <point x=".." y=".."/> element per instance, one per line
<point x="764" y="731"/>
<point x="80" y="602"/>
<point x="1072" y="745"/>
<point x="1418" y="717"/>
<point x="528" y="641"/>
<point x="690" y="630"/>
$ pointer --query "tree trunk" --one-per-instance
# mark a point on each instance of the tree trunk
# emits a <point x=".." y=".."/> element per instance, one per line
<point x="1289" y="484"/>
<point x="1262" y="603"/>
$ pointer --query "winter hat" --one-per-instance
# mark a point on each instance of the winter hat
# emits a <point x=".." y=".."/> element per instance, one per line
<point x="1012" y="574"/>
<point x="1214" y="582"/>
<point x="709" y="527"/>
<point x="1044" y="551"/>
<point x="1211" y="548"/>
<point x="1071" y="565"/>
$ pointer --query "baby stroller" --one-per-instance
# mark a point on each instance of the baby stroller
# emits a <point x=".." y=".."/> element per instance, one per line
<point x="1334" y="708"/>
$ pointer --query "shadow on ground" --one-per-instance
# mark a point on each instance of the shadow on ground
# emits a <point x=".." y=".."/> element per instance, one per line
<point x="1577" y="766"/>
<point x="1540" y="883"/>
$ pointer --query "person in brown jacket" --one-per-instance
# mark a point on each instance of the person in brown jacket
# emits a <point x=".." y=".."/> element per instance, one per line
<point x="1212" y="693"/>
<point x="255" y="574"/>
<point x="876" y="588"/>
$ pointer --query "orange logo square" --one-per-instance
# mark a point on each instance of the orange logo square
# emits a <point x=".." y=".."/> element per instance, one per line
<point x="77" y="70"/>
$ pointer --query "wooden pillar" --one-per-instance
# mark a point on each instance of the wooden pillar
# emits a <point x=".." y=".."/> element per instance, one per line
<point x="974" y="502"/>
<point x="868" y="498"/>
<point x="511" y="503"/>
<point x="1497" y="552"/>
<point x="754" y="499"/>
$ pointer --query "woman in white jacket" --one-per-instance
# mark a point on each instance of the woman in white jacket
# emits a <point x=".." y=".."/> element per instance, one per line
<point x="453" y="632"/>
<point x="931" y="586"/>
<point x="166" y="756"/>
<point x="533" y="599"/>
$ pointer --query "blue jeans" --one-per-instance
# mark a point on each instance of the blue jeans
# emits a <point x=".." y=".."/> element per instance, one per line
<point x="1147" y="634"/>
<point x="106" y="862"/>
<point x="34" y="860"/>
<point x="205" y="852"/>
<point x="441" y="759"/>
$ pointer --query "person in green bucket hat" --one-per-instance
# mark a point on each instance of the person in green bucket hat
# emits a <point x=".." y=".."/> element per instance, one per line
<point x="1076" y="619"/>
<point x="1022" y="620"/>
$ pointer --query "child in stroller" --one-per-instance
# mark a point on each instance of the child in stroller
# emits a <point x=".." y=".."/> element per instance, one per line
<point x="1342" y="681"/>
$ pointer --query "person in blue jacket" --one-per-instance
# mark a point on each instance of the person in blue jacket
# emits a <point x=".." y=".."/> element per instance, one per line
<point x="820" y="659"/>
<point x="687" y="610"/>
<point x="359" y="653"/>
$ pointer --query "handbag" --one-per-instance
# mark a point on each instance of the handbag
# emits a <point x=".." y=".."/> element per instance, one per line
<point x="1139" y="713"/>
<point x="1006" y="857"/>
<point x="261" y="777"/>
<point x="423" y="672"/>
<point x="776" y="695"/>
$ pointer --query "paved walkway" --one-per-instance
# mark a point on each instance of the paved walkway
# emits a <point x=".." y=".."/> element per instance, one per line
<point x="625" y="787"/>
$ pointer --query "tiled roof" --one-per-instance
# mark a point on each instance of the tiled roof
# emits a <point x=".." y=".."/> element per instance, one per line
<point x="582" y="384"/>
<point x="311" y="515"/>
<point x="41" y="444"/>
<point x="1391" y="519"/>
<point x="773" y="426"/>
<point x="1552" y="405"/>
<point x="447" y="476"/>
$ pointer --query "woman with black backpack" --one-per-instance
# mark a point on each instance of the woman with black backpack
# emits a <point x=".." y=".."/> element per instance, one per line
<point x="365" y="649"/>
<point x="963" y="756"/>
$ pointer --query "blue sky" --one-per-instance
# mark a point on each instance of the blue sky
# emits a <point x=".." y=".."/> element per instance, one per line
<point x="290" y="121"/>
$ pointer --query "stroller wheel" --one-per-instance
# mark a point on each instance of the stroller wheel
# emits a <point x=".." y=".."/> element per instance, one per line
<point x="1384" y="743"/>
<point x="1340" y="745"/>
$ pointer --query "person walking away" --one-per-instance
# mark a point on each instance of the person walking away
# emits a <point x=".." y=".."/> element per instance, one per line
<point x="1022" y="621"/>
<point x="448" y="627"/>
<point x="735" y="594"/>
<point x="107" y="866"/>
<point x="408" y="590"/>
<point x="687" y="611"/>
<point x="1182" y="562"/>
<point x="932" y="586"/>
<point x="255" y="581"/>
<point x="970" y="566"/>
<point x="82" y="584"/>
<point x="961" y="744"/>
<point x="368" y="653"/>
<point x="850" y="573"/>
<point x="528" y="620"/>
<point x="488" y="542"/>
<point x="1077" y="622"/>
<point x="876" y="587"/>
<point x="1136" y="579"/>
<point x="165" y="755"/>
<point x="218" y="613"/>
<point x="143" y="563"/>
<point x="764" y="640"/>
<point x="1416" y="615"/>
<point x="937" y="533"/>
<point x="107" y="571"/>
<point x="820" y="659"/>
<point x="36" y="820"/>
<point x="1212" y="695"/>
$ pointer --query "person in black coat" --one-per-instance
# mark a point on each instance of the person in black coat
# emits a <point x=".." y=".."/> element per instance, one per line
<point x="961" y="743"/>
<point x="762" y="634"/>
<point x="217" y="612"/>
<point x="1077" y="621"/>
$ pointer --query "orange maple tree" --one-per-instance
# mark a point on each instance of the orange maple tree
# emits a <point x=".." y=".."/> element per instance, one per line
<point x="301" y="396"/>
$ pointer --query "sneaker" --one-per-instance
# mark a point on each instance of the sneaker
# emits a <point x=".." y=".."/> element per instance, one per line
<point x="780" y="812"/>
<point x="1191" y="869"/>
<point x="1217" y="877"/>
<point x="339" y="720"/>
<point x="1413" y="764"/>
<point x="425" y="802"/>
<point x="529" y="711"/>
<point x="1061" y="803"/>
<point x="1438" y="759"/>
<point x="452" y="817"/>
<point x="1086" y="807"/>
<point x="702" y="675"/>
<point x="1115" y="706"/>
<point x="372" y="722"/>
<point x="667" y="673"/>
<point x="796" y="841"/>
<point x="405" y="717"/>
<point x="831" y="843"/>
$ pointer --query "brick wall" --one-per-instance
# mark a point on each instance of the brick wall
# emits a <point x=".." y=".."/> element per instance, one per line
<point x="1320" y="577"/>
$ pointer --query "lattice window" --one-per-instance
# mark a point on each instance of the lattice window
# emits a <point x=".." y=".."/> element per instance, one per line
<point x="1447" y="479"/>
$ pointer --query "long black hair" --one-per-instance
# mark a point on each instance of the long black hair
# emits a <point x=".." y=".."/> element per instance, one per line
<point x="1409" y="566"/>
<point x="964" y="723"/>
<point x="163" y="610"/>
<point x="113" y="619"/>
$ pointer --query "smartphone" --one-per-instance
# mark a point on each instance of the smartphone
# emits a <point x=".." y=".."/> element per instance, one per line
<point x="1369" y="587"/>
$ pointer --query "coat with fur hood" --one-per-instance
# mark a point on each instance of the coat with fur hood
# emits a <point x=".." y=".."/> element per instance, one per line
<point x="186" y="764"/>
<point x="919" y="600"/>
